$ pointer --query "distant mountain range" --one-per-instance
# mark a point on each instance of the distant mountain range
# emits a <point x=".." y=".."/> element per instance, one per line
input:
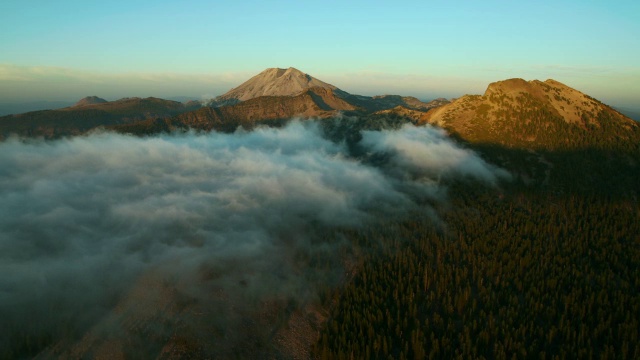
<point x="88" y="114"/>
<point x="274" y="94"/>
<point x="14" y="108"/>
<point x="543" y="131"/>
<point x="527" y="114"/>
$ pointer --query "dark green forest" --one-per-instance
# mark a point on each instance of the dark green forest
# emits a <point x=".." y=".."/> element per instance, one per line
<point x="508" y="276"/>
<point x="543" y="267"/>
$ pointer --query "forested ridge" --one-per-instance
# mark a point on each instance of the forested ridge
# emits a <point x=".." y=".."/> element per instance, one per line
<point x="541" y="267"/>
<point x="522" y="276"/>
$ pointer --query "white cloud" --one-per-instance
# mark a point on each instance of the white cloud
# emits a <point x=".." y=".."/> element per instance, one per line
<point x="84" y="219"/>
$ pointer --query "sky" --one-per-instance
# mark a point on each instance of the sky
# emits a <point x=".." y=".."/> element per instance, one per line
<point x="65" y="50"/>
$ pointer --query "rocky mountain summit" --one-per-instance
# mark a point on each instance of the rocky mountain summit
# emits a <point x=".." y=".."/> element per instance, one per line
<point x="532" y="114"/>
<point x="271" y="82"/>
<point x="89" y="100"/>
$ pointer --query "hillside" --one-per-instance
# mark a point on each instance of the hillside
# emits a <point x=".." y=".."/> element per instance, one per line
<point x="88" y="114"/>
<point x="272" y="82"/>
<point x="539" y="267"/>
<point x="271" y="96"/>
<point x="534" y="114"/>
<point x="526" y="275"/>
<point x="90" y="100"/>
<point x="276" y="95"/>
<point x="386" y="102"/>
<point x="548" y="134"/>
<point x="314" y="102"/>
<point x="293" y="82"/>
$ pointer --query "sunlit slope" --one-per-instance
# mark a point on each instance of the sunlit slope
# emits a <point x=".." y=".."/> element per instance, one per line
<point x="535" y="115"/>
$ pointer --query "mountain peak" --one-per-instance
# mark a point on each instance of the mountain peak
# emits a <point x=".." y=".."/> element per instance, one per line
<point x="90" y="100"/>
<point x="281" y="71"/>
<point x="273" y="82"/>
<point x="554" y="82"/>
<point x="508" y="86"/>
<point x="535" y="113"/>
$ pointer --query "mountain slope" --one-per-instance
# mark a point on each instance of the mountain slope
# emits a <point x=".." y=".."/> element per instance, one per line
<point x="273" y="95"/>
<point x="548" y="135"/>
<point x="536" y="115"/>
<point x="386" y="102"/>
<point x="272" y="82"/>
<point x="90" y="100"/>
<point x="76" y="120"/>
<point x="314" y="102"/>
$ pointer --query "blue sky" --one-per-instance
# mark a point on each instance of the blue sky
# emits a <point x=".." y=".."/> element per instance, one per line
<point x="63" y="49"/>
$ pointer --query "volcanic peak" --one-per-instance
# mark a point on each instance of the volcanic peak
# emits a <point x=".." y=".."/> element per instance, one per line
<point x="272" y="82"/>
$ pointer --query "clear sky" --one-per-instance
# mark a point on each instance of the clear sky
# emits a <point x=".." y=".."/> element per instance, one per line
<point x="60" y="50"/>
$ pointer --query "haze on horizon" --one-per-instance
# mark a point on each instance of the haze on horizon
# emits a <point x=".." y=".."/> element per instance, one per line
<point x="66" y="50"/>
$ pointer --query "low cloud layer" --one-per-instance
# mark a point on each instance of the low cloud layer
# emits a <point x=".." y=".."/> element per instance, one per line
<point x="427" y="153"/>
<point x="83" y="220"/>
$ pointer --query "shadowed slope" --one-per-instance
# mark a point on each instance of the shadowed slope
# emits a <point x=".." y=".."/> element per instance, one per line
<point x="89" y="100"/>
<point x="81" y="118"/>
<point x="314" y="102"/>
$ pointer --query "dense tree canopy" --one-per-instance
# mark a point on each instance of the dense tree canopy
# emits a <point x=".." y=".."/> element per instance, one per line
<point x="525" y="276"/>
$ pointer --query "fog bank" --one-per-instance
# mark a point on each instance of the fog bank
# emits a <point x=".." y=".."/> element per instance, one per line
<point x="85" y="221"/>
